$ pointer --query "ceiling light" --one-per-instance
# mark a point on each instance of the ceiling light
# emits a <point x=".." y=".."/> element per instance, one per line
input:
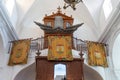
<point x="71" y="3"/>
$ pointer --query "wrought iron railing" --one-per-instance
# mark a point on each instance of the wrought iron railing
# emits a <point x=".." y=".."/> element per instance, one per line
<point x="42" y="43"/>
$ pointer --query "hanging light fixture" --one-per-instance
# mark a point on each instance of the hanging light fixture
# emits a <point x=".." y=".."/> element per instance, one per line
<point x="71" y="3"/>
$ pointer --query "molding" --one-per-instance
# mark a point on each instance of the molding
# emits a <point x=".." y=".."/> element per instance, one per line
<point x="109" y="35"/>
<point x="111" y="25"/>
<point x="9" y="27"/>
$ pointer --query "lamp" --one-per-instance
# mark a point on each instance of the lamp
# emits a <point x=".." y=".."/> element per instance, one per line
<point x="71" y="3"/>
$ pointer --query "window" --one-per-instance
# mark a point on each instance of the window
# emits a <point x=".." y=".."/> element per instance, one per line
<point x="59" y="71"/>
<point x="58" y="21"/>
<point x="48" y="23"/>
<point x="67" y="24"/>
<point x="107" y="8"/>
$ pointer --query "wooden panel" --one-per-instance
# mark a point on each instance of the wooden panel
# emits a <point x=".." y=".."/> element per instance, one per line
<point x="74" y="71"/>
<point x="45" y="69"/>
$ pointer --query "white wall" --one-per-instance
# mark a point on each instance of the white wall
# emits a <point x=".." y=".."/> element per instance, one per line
<point x="105" y="23"/>
<point x="110" y="38"/>
<point x="85" y="33"/>
<point x="6" y="34"/>
<point x="107" y="74"/>
<point x="31" y="31"/>
<point x="116" y="56"/>
<point x="114" y="52"/>
<point x="11" y="10"/>
<point x="4" y="69"/>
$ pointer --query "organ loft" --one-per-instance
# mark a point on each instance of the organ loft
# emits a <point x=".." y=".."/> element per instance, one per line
<point x="59" y="40"/>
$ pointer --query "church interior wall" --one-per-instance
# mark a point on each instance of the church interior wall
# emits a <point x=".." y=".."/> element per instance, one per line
<point x="110" y="38"/>
<point x="11" y="72"/>
<point x="106" y="23"/>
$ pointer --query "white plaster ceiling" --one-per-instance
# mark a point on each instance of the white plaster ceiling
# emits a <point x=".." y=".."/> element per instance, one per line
<point x="87" y="12"/>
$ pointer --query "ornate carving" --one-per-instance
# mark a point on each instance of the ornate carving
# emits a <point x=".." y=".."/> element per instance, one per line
<point x="50" y="30"/>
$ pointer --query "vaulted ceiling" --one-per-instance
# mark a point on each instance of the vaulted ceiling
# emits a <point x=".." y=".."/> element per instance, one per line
<point x="27" y="11"/>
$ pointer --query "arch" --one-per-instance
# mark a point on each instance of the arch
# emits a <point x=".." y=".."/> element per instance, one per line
<point x="116" y="55"/>
<point x="1" y="44"/>
<point x="27" y="73"/>
<point x="1" y="50"/>
<point x="112" y="42"/>
<point x="2" y="37"/>
<point x="91" y="74"/>
<point x="116" y="51"/>
<point x="3" y="33"/>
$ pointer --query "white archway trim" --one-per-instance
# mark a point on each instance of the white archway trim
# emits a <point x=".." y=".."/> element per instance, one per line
<point x="109" y="35"/>
<point x="1" y="51"/>
<point x="8" y="25"/>
<point x="110" y="39"/>
<point x="107" y="7"/>
<point x="115" y="50"/>
<point x="113" y="21"/>
<point x="18" y="68"/>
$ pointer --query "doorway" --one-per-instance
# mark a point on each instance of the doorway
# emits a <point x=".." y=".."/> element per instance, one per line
<point x="59" y="71"/>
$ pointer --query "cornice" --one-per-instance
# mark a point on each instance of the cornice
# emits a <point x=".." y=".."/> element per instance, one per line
<point x="8" y="27"/>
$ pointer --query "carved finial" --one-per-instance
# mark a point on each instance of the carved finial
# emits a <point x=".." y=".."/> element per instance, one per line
<point x="59" y="9"/>
<point x="38" y="53"/>
<point x="81" y="54"/>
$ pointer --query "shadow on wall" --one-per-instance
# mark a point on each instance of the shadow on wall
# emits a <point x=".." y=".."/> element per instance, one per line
<point x="1" y="52"/>
<point x="1" y="43"/>
<point x="91" y="74"/>
<point x="29" y="73"/>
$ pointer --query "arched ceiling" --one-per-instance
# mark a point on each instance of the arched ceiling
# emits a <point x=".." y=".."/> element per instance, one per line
<point x="34" y="10"/>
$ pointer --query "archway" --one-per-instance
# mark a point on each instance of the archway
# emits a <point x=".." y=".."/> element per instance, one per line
<point x="1" y="50"/>
<point x="1" y="43"/>
<point x="91" y="74"/>
<point x="2" y="57"/>
<point x="116" y="55"/>
<point x="29" y="72"/>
